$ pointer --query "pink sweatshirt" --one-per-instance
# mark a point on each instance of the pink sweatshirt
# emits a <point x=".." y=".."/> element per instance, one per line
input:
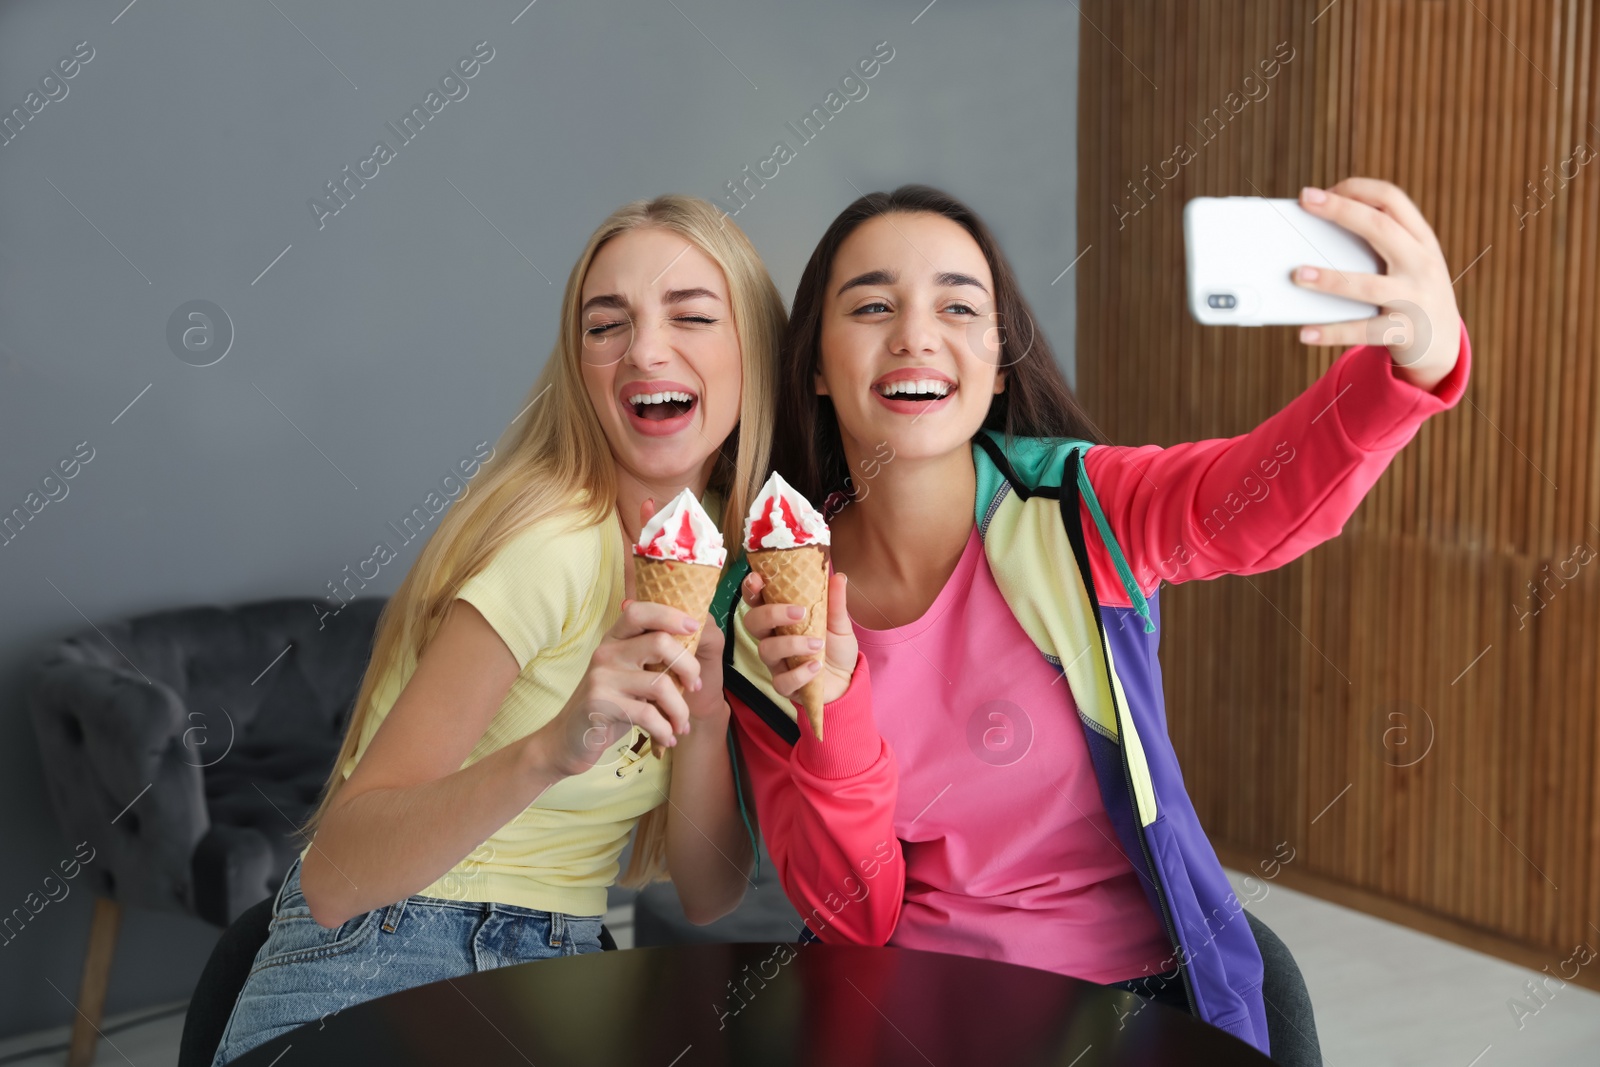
<point x="917" y="823"/>
<point x="1010" y="850"/>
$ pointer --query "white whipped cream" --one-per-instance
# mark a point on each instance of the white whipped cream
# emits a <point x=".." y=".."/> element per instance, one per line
<point x="794" y="521"/>
<point x="684" y="532"/>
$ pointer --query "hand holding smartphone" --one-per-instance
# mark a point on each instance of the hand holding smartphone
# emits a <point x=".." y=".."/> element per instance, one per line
<point x="1378" y="274"/>
<point x="1241" y="252"/>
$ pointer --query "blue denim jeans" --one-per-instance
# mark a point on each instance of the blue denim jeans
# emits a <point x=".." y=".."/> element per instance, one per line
<point x="306" y="972"/>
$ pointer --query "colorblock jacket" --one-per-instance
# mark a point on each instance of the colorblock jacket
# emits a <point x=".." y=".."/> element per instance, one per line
<point x="1078" y="538"/>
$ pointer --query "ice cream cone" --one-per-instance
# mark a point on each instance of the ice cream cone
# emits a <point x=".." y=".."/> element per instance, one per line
<point x="799" y="576"/>
<point x="688" y="587"/>
<point x="677" y="561"/>
<point x="786" y="541"/>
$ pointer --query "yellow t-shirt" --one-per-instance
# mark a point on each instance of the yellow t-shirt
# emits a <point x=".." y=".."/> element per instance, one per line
<point x="551" y="593"/>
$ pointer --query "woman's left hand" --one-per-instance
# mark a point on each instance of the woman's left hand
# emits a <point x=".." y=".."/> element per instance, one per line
<point x="1418" y="320"/>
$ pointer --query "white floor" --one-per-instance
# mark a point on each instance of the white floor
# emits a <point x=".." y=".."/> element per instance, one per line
<point x="1384" y="995"/>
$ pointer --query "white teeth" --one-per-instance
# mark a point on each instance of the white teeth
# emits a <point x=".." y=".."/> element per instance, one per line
<point x="661" y="398"/>
<point x="924" y="386"/>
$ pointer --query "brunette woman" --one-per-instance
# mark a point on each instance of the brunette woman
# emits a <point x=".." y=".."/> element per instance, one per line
<point x="994" y="776"/>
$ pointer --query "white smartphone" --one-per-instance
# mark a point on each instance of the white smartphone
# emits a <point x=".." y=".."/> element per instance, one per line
<point x="1240" y="252"/>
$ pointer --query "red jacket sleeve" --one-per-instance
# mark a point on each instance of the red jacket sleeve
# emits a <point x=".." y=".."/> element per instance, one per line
<point x="1247" y="504"/>
<point x="826" y="810"/>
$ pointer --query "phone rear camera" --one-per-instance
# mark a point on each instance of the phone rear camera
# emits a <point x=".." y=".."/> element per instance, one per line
<point x="1221" y="300"/>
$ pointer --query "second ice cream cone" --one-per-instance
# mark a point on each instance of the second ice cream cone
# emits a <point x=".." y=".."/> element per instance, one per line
<point x="786" y="541"/>
<point x="799" y="576"/>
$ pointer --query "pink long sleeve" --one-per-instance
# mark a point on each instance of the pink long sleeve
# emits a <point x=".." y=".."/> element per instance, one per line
<point x="1247" y="504"/>
<point x="826" y="810"/>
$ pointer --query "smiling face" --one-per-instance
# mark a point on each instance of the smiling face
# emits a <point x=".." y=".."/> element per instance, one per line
<point x="909" y="346"/>
<point x="661" y="357"/>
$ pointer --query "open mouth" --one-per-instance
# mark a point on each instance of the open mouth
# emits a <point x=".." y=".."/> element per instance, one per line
<point x="662" y="406"/>
<point x="658" y="408"/>
<point x="921" y="390"/>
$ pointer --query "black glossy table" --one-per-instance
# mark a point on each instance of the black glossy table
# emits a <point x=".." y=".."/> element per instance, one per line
<point x="767" y="1004"/>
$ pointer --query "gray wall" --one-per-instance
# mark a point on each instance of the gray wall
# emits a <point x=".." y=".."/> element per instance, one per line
<point x="406" y="329"/>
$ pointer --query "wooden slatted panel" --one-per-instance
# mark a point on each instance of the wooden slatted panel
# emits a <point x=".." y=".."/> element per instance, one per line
<point x="1300" y="700"/>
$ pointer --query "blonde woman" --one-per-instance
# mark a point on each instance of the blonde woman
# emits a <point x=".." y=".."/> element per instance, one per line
<point x="497" y="758"/>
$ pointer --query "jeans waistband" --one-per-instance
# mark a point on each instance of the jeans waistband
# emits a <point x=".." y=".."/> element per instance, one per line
<point x="392" y="912"/>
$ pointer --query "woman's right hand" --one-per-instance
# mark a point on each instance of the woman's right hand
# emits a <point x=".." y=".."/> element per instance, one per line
<point x="839" y="650"/>
<point x="617" y="692"/>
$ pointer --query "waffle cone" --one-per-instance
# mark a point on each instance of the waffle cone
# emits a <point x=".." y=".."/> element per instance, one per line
<point x="799" y="576"/>
<point x="689" y="587"/>
<point x="684" y="586"/>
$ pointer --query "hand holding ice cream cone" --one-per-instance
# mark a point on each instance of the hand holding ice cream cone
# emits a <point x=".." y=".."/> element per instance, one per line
<point x="677" y="561"/>
<point x="827" y="667"/>
<point x="786" y="541"/>
<point x="623" y="689"/>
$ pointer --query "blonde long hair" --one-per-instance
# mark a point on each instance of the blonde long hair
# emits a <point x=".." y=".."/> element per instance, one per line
<point x="560" y="451"/>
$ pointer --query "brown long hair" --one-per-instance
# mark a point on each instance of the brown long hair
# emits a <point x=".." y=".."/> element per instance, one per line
<point x="1037" y="401"/>
<point x="557" y="462"/>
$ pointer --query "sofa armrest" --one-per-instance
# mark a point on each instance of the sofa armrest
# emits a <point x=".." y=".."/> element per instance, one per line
<point x="121" y="778"/>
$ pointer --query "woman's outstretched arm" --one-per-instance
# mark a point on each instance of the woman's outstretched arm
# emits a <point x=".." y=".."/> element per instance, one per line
<point x="1251" y="503"/>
